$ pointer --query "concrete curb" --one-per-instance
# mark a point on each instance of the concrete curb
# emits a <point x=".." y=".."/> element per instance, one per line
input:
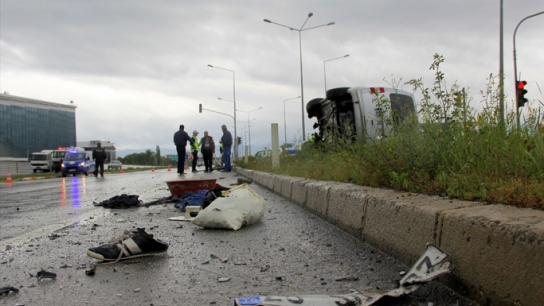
<point x="497" y="250"/>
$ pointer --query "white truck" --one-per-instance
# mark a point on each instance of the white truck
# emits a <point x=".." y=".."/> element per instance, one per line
<point x="58" y="157"/>
<point x="42" y="161"/>
<point x="354" y="111"/>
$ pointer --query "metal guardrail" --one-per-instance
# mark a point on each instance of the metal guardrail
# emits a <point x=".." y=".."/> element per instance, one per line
<point x="14" y="167"/>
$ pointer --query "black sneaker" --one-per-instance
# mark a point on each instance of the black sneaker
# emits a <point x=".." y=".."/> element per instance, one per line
<point x="133" y="244"/>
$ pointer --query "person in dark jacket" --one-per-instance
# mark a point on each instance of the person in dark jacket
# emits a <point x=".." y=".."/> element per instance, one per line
<point x="99" y="156"/>
<point x="180" y="140"/>
<point x="207" y="146"/>
<point x="227" y="145"/>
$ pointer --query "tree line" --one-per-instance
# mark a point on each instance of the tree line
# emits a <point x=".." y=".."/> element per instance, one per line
<point x="148" y="158"/>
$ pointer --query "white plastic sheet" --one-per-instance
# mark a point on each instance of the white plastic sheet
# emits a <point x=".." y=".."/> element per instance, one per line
<point x="238" y="207"/>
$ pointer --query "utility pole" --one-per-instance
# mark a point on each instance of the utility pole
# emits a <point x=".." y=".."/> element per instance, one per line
<point x="501" y="72"/>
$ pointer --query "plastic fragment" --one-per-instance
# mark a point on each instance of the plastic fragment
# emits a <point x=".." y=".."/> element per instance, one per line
<point x="44" y="274"/>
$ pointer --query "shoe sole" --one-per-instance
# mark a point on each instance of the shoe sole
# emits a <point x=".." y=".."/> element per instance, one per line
<point x="98" y="256"/>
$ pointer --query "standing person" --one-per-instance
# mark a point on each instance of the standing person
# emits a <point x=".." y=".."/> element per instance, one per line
<point x="180" y="140"/>
<point x="227" y="144"/>
<point x="99" y="155"/>
<point x="208" y="148"/>
<point x="195" y="147"/>
<point x="221" y="152"/>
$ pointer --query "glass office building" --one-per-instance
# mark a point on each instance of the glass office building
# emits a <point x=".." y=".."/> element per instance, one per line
<point x="28" y="125"/>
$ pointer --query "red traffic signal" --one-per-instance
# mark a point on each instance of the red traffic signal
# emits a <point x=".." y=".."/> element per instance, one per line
<point x="520" y="93"/>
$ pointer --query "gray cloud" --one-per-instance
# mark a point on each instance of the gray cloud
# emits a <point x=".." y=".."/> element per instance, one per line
<point x="138" y="69"/>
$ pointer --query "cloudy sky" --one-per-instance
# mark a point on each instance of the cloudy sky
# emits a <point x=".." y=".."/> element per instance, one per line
<point x="138" y="69"/>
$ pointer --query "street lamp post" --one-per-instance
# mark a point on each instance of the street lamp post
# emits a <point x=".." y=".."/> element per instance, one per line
<point x="248" y="126"/>
<point x="209" y="110"/>
<point x="325" y="73"/>
<point x="234" y="100"/>
<point x="300" y="44"/>
<point x="284" y="120"/>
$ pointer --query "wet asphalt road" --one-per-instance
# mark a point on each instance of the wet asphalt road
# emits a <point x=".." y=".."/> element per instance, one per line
<point x="50" y="224"/>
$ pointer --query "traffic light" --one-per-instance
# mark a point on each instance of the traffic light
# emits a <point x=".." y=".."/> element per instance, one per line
<point x="520" y="93"/>
<point x="200" y="108"/>
<point x="239" y="140"/>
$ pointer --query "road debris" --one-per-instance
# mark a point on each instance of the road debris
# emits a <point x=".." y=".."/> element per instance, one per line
<point x="240" y="206"/>
<point x="6" y="290"/>
<point x="123" y="201"/>
<point x="191" y="199"/>
<point x="169" y="199"/>
<point x="54" y="236"/>
<point x="347" y="279"/>
<point x="222" y="260"/>
<point x="429" y="266"/>
<point x="44" y="274"/>
<point x="131" y="243"/>
<point x="91" y="271"/>
<point x="242" y="180"/>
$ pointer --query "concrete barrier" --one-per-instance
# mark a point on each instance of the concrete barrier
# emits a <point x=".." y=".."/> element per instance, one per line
<point x="287" y="186"/>
<point x="497" y="250"/>
<point x="347" y="208"/>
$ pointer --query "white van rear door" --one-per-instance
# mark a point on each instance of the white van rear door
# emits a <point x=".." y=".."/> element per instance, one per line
<point x="368" y="113"/>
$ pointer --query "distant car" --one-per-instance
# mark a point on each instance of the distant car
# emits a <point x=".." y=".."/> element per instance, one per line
<point x="267" y="152"/>
<point x="115" y="164"/>
<point x="263" y="153"/>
